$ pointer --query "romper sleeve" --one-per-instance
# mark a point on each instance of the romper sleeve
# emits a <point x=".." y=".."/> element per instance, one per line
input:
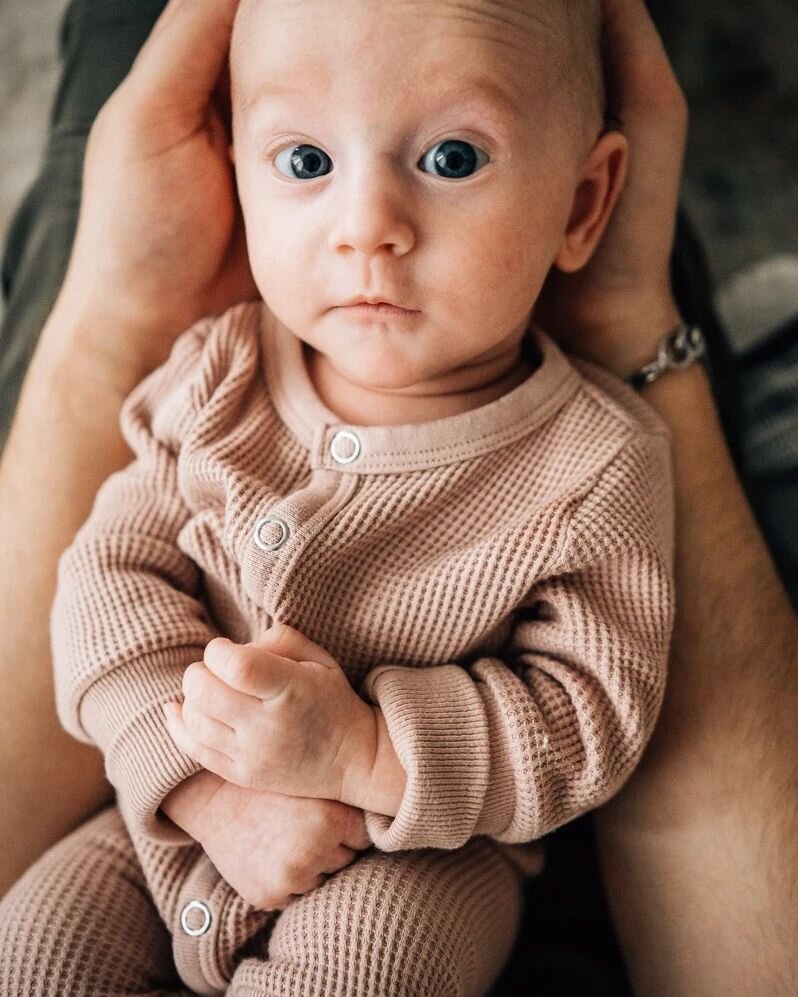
<point x="126" y="619"/>
<point x="512" y="747"/>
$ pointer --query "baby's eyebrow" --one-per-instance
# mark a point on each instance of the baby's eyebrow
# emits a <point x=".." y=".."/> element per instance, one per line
<point x="483" y="89"/>
<point x="487" y="90"/>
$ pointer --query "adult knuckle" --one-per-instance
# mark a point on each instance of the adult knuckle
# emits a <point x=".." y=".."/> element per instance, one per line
<point x="332" y="818"/>
<point x="300" y="861"/>
<point x="355" y="828"/>
<point x="291" y="878"/>
<point x="300" y="864"/>
<point x="318" y="830"/>
<point x="292" y="871"/>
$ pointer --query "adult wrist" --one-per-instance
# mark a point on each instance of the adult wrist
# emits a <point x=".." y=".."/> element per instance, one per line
<point x="81" y="343"/>
<point x="636" y="335"/>
<point x="677" y="350"/>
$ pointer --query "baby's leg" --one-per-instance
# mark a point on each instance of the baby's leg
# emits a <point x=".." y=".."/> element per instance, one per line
<point x="80" y="922"/>
<point x="401" y="924"/>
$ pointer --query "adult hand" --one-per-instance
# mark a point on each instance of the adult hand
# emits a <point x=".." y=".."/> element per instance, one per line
<point x="615" y="308"/>
<point x="267" y="846"/>
<point x="160" y="240"/>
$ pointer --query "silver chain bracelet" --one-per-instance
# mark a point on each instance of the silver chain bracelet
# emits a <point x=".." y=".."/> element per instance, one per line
<point x="676" y="350"/>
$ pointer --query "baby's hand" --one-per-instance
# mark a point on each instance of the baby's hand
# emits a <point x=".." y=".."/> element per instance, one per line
<point x="291" y="725"/>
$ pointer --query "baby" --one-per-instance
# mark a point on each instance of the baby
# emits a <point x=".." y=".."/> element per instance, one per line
<point x="387" y="544"/>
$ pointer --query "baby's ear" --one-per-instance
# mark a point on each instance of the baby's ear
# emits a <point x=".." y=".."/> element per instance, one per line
<point x="596" y="195"/>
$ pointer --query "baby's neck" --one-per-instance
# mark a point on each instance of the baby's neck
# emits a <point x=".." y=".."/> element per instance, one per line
<point x="362" y="406"/>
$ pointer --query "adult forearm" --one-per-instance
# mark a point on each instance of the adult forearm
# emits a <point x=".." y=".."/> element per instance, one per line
<point x="698" y="851"/>
<point x="64" y="442"/>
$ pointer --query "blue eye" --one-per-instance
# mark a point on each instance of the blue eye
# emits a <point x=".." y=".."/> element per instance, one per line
<point x="306" y="160"/>
<point x="455" y="158"/>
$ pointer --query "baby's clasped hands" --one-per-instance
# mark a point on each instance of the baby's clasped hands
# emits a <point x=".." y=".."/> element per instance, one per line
<point x="277" y="714"/>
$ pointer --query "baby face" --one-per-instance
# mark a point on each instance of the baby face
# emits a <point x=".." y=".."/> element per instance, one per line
<point x="418" y="152"/>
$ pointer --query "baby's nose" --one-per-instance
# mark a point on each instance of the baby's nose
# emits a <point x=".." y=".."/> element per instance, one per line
<point x="373" y="212"/>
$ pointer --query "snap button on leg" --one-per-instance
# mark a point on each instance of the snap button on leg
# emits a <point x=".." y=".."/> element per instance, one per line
<point x="261" y="531"/>
<point x="206" y="918"/>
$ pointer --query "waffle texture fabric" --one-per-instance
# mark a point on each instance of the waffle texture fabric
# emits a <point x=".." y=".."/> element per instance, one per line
<point x="81" y="923"/>
<point x="498" y="582"/>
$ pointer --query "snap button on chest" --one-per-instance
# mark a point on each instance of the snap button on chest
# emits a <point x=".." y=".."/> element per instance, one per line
<point x="271" y="532"/>
<point x="338" y="446"/>
<point x="201" y="924"/>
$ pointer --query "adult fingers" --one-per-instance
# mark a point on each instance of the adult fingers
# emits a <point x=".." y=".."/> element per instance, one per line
<point x="640" y="75"/>
<point x="180" y="64"/>
<point x="337" y="860"/>
<point x="654" y="117"/>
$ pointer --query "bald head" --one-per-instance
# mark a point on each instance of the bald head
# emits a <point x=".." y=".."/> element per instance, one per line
<point x="562" y="35"/>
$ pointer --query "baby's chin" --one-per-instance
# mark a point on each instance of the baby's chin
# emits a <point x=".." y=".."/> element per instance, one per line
<point x="375" y="376"/>
<point x="379" y="370"/>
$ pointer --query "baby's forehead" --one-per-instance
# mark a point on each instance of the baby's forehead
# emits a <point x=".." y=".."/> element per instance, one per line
<point x="516" y="40"/>
<point x="374" y="53"/>
<point x="507" y="23"/>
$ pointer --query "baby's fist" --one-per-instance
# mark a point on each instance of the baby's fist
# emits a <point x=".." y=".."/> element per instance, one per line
<point x="276" y="714"/>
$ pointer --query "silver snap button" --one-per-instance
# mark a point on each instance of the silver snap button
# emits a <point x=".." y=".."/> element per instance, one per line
<point x="204" y="909"/>
<point x="340" y="436"/>
<point x="266" y="521"/>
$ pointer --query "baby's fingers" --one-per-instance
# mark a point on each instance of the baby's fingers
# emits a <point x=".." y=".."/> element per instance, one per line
<point x="211" y="695"/>
<point x="211" y="758"/>
<point x="250" y="669"/>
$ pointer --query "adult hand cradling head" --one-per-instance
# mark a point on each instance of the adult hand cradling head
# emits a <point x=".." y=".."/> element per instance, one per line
<point x="599" y="311"/>
<point x="159" y="242"/>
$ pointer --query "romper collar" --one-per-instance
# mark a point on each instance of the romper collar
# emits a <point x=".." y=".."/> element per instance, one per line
<point x="345" y="447"/>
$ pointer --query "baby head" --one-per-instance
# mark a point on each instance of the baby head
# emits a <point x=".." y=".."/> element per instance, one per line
<point x="440" y="155"/>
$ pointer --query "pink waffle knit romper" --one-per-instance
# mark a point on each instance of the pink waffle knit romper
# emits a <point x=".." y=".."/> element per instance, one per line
<point x="499" y="582"/>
